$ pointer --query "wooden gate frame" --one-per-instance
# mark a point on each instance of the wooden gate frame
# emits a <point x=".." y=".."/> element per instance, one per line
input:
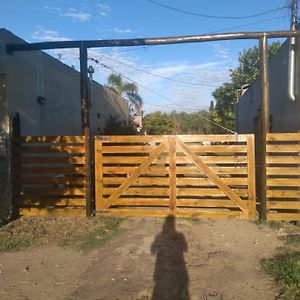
<point x="172" y="143"/>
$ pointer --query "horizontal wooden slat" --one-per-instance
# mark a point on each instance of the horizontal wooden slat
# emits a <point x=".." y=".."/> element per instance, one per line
<point x="45" y="192"/>
<point x="291" y="171"/>
<point x="131" y="138"/>
<point x="51" y="202"/>
<point x="179" y="160"/>
<point x="30" y="170"/>
<point x="142" y="202"/>
<point x="197" y="213"/>
<point x="283" y="193"/>
<point x="49" y="139"/>
<point x="283" y="216"/>
<point x="179" y="181"/>
<point x="205" y="203"/>
<point x="283" y="204"/>
<point x="283" y="182"/>
<point x="208" y="192"/>
<point x="49" y="180"/>
<point x="219" y="149"/>
<point x="283" y="148"/>
<point x="127" y="149"/>
<point x="140" y="191"/>
<point x="51" y="149"/>
<point x="281" y="137"/>
<point x="213" y="138"/>
<point x="66" y="212"/>
<point x="46" y="160"/>
<point x="283" y="160"/>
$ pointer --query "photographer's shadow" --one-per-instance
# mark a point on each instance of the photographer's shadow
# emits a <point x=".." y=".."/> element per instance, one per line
<point x="170" y="275"/>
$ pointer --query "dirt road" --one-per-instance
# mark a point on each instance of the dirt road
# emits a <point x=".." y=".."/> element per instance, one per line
<point x="151" y="259"/>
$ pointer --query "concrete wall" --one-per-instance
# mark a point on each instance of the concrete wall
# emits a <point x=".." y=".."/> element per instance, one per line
<point x="35" y="73"/>
<point x="284" y="114"/>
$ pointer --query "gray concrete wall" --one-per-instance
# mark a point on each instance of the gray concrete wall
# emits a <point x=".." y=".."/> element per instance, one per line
<point x="285" y="114"/>
<point x="35" y="73"/>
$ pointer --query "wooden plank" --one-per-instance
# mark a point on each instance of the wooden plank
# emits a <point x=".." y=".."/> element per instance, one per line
<point x="49" y="149"/>
<point x="283" y="182"/>
<point x="219" y="149"/>
<point x="116" y="194"/>
<point x="47" y="191"/>
<point x="283" y="193"/>
<point x="283" y="137"/>
<point x="208" y="182"/>
<point x="172" y="174"/>
<point x="49" y="139"/>
<point x="65" y="212"/>
<point x="283" y="204"/>
<point x="283" y="216"/>
<point x="196" y="213"/>
<point x="51" y="202"/>
<point x="219" y="170"/>
<point x="206" y="203"/>
<point x="283" y="148"/>
<point x="129" y="170"/>
<point x="142" y="202"/>
<point x="137" y="191"/>
<point x="48" y="160"/>
<point x="251" y="178"/>
<point x="135" y="212"/>
<point x="130" y="138"/>
<point x="179" y="159"/>
<point x="44" y="170"/>
<point x="222" y="138"/>
<point x="293" y="171"/>
<point x="49" y="180"/>
<point x="211" y="192"/>
<point x="140" y="181"/>
<point x="127" y="149"/>
<point x="283" y="160"/>
<point x="99" y="175"/>
<point x="213" y="176"/>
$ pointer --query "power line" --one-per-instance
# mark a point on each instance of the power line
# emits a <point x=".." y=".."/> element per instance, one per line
<point x="158" y="75"/>
<point x="204" y="118"/>
<point x="216" y="17"/>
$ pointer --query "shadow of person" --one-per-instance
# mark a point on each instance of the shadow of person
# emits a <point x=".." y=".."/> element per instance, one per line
<point x="170" y="276"/>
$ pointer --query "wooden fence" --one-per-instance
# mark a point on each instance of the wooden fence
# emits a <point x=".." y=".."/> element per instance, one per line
<point x="203" y="175"/>
<point x="49" y="175"/>
<point x="283" y="171"/>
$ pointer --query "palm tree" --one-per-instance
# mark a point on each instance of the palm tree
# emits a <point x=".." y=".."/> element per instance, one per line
<point x="127" y="89"/>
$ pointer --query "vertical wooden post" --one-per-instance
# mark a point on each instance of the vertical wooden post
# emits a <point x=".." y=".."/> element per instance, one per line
<point x="99" y="175"/>
<point x="251" y="178"/>
<point x="172" y="175"/>
<point x="264" y="86"/>
<point x="86" y="130"/>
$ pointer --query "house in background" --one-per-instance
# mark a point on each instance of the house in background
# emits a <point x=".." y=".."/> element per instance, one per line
<point x="284" y="112"/>
<point x="44" y="93"/>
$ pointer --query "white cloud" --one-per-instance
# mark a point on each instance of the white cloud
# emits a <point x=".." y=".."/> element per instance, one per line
<point x="103" y="9"/>
<point x="52" y="8"/>
<point x="221" y="51"/>
<point x="76" y="15"/>
<point x="119" y="30"/>
<point x="43" y="35"/>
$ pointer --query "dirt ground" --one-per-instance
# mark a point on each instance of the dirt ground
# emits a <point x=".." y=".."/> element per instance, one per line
<point x="152" y="258"/>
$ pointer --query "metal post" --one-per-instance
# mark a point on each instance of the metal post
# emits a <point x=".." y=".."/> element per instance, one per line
<point x="264" y="82"/>
<point x="86" y="131"/>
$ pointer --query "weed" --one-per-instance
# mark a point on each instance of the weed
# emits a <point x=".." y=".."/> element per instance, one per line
<point x="10" y="245"/>
<point x="285" y="268"/>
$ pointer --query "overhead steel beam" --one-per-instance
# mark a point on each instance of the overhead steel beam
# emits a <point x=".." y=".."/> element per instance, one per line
<point x="150" y="41"/>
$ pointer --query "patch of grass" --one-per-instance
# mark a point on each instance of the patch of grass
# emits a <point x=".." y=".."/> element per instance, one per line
<point x="87" y="242"/>
<point x="12" y="245"/>
<point x="285" y="268"/>
<point x="292" y="239"/>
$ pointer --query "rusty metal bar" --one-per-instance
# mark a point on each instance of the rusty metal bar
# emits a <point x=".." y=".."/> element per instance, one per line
<point x="265" y="117"/>
<point x="150" y="41"/>
<point x="86" y="130"/>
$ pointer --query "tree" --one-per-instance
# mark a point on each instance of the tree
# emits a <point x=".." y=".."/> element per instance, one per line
<point x="226" y="95"/>
<point x="127" y="89"/>
<point x="158" y="123"/>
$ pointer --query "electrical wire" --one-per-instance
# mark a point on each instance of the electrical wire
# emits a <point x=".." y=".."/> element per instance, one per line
<point x="217" y="17"/>
<point x="158" y="75"/>
<point x="164" y="97"/>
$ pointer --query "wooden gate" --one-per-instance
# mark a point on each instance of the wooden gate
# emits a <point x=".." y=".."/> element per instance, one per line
<point x="192" y="176"/>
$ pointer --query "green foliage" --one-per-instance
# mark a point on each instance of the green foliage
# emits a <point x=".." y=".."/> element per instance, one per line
<point x="285" y="268"/>
<point x="113" y="126"/>
<point x="177" y="123"/>
<point x="226" y="95"/>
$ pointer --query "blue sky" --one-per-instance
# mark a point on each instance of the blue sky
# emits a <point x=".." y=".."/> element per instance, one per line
<point x="204" y="65"/>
